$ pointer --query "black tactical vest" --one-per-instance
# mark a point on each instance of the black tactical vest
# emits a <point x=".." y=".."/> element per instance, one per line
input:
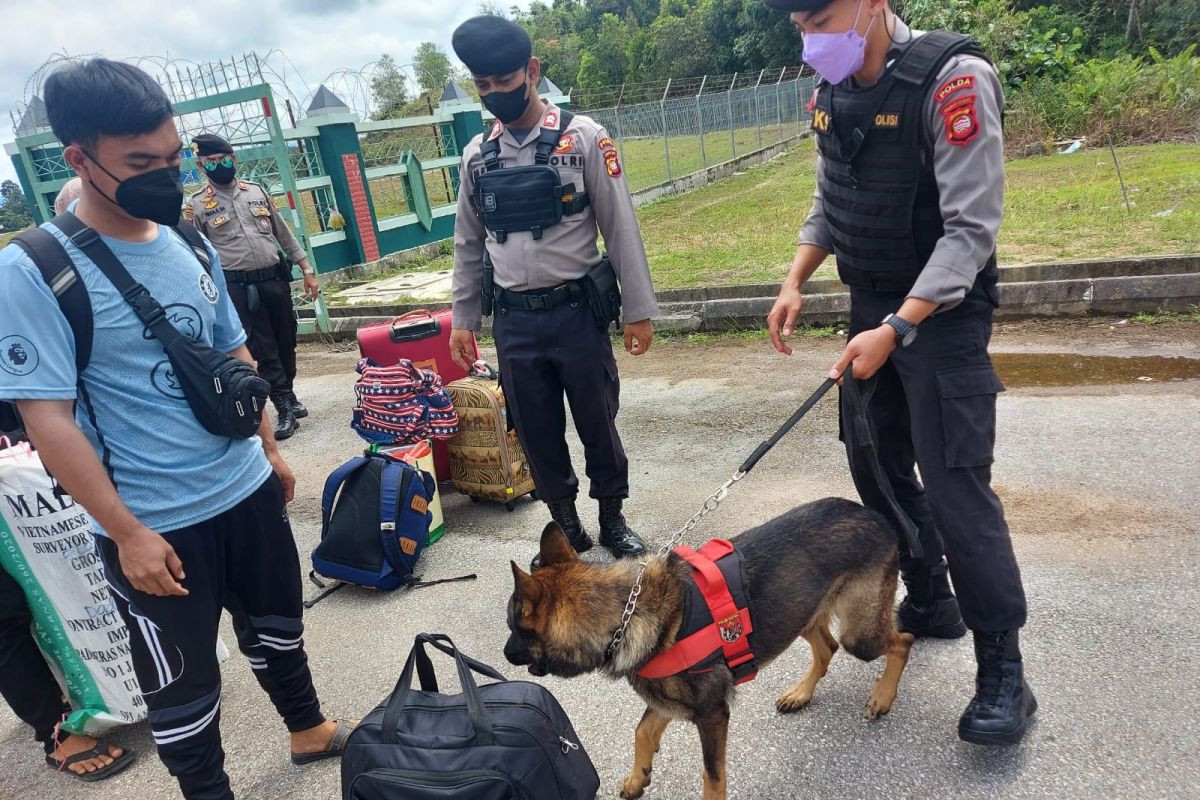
<point x="532" y="198"/>
<point x="877" y="185"/>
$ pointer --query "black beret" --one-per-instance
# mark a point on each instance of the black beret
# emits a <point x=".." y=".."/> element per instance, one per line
<point x="797" y="5"/>
<point x="209" y="144"/>
<point x="492" y="45"/>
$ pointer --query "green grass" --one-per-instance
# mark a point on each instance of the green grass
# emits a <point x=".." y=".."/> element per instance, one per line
<point x="1166" y="315"/>
<point x="5" y="238"/>
<point x="645" y="160"/>
<point x="743" y="229"/>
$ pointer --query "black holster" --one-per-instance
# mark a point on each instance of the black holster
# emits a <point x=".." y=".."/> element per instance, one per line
<point x="489" y="286"/>
<point x="285" y="267"/>
<point x="603" y="293"/>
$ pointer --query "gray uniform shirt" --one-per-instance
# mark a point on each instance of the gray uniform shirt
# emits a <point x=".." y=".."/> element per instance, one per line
<point x="243" y="225"/>
<point x="587" y="157"/>
<point x="970" y="178"/>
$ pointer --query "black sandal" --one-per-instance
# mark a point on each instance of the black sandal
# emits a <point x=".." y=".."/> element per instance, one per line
<point x="100" y="750"/>
<point x="337" y="744"/>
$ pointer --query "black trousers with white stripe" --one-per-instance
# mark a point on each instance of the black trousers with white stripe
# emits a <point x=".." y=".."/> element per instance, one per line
<point x="243" y="560"/>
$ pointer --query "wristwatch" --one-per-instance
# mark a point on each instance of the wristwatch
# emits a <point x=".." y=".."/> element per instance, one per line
<point x="906" y="332"/>
<point x="307" y="270"/>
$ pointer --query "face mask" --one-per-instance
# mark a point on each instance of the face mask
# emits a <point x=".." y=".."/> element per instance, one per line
<point x="508" y="107"/>
<point x="221" y="174"/>
<point x="156" y="195"/>
<point x="837" y="56"/>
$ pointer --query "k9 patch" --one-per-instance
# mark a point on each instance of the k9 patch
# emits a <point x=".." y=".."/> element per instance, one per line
<point x="962" y="121"/>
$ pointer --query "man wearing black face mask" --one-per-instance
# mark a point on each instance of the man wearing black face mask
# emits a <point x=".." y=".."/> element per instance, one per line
<point x="242" y="222"/>
<point x="550" y="339"/>
<point x="188" y="522"/>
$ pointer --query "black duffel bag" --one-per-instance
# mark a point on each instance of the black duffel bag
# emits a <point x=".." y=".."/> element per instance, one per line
<point x="504" y="741"/>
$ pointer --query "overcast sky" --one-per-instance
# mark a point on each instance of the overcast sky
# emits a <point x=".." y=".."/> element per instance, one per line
<point x="319" y="36"/>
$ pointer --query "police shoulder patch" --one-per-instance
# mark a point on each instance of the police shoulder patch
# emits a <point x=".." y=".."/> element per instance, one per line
<point x="566" y="144"/>
<point x="962" y="121"/>
<point x="953" y="85"/>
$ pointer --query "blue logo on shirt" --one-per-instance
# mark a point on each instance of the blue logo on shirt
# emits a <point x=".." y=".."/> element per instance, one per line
<point x="18" y="356"/>
<point x="165" y="380"/>
<point x="186" y="319"/>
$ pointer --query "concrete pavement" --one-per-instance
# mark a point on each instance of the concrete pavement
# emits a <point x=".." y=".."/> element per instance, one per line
<point x="1099" y="483"/>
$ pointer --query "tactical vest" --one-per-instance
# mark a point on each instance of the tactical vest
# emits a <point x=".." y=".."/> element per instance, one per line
<point x="878" y="189"/>
<point x="532" y="198"/>
<point x="716" y="623"/>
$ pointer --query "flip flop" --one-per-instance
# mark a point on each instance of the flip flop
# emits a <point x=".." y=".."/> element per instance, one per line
<point x="101" y="749"/>
<point x="334" y="749"/>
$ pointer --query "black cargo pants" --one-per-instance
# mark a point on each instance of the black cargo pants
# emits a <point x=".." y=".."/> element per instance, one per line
<point x="270" y="324"/>
<point x="933" y="406"/>
<point x="543" y="355"/>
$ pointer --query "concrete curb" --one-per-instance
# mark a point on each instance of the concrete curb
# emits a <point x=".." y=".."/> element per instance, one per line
<point x="1119" y="287"/>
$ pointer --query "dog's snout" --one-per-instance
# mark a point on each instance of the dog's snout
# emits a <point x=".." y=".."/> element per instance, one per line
<point x="515" y="652"/>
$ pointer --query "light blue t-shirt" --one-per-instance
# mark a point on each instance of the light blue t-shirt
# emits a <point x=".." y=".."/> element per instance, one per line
<point x="167" y="468"/>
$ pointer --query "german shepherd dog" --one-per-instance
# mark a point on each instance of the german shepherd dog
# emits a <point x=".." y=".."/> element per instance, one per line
<point x="827" y="560"/>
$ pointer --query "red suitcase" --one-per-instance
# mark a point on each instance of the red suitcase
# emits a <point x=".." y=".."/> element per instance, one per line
<point x="423" y="337"/>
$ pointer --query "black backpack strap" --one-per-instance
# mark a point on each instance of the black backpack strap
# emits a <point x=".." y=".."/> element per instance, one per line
<point x="490" y="150"/>
<point x="548" y="138"/>
<point x="923" y="59"/>
<point x="187" y="231"/>
<point x="147" y="309"/>
<point x="60" y="274"/>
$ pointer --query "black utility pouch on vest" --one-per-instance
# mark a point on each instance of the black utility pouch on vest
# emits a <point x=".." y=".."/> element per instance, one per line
<point x="224" y="392"/>
<point x="520" y="199"/>
<point x="603" y="293"/>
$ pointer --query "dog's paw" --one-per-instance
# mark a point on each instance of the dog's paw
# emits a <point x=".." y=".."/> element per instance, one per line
<point x="793" y="699"/>
<point x="878" y="705"/>
<point x="635" y="785"/>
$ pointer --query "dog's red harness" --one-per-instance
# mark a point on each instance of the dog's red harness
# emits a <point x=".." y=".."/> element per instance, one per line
<point x="716" y="629"/>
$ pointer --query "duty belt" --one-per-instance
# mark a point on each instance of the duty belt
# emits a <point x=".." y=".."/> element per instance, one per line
<point x="251" y="275"/>
<point x="541" y="299"/>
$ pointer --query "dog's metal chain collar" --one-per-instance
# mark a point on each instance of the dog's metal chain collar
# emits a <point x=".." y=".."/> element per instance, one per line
<point x="710" y="505"/>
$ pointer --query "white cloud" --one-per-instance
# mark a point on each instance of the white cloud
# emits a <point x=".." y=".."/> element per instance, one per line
<point x="318" y="36"/>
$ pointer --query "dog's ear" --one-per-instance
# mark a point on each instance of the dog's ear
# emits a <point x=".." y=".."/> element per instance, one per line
<point x="527" y="587"/>
<point x="555" y="547"/>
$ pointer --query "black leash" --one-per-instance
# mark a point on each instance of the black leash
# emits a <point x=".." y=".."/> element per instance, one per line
<point x="864" y="440"/>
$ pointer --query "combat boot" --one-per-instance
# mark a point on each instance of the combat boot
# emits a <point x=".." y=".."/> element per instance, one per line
<point x="301" y="411"/>
<point x="1003" y="704"/>
<point x="929" y="609"/>
<point x="285" y="418"/>
<point x="563" y="512"/>
<point x="615" y="533"/>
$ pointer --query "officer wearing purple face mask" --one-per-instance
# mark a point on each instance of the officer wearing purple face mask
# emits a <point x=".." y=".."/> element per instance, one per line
<point x="910" y="194"/>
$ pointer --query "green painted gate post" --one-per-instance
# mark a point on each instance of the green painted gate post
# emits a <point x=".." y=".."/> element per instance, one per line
<point x="341" y="154"/>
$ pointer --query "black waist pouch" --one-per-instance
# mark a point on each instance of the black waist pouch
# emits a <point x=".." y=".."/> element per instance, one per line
<point x="603" y="293"/>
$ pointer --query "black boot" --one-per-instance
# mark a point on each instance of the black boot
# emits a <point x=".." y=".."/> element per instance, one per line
<point x="1003" y="704"/>
<point x="929" y="609"/>
<point x="615" y="533"/>
<point x="301" y="411"/>
<point x="563" y="512"/>
<point x="285" y="418"/>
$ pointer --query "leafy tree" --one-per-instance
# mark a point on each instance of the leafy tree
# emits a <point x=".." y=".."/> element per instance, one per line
<point x="432" y="66"/>
<point x="390" y="88"/>
<point x="14" y="208"/>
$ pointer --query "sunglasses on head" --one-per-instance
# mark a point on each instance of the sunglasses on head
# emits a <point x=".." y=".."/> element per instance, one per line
<point x="227" y="161"/>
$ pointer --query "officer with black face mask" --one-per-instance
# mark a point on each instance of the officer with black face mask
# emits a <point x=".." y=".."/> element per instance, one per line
<point x="910" y="194"/>
<point x="241" y="221"/>
<point x="533" y="191"/>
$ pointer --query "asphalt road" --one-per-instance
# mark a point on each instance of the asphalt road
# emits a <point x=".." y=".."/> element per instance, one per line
<point x="1100" y="486"/>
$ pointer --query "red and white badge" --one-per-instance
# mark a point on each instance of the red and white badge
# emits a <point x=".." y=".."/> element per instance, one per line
<point x="955" y="84"/>
<point x="962" y="122"/>
<point x="566" y="144"/>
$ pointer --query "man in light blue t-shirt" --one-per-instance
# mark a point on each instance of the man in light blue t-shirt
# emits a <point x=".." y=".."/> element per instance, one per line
<point x="190" y="522"/>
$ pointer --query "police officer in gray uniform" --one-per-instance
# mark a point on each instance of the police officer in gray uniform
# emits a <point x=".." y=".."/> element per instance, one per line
<point x="532" y="192"/>
<point x="241" y="221"/>
<point x="909" y="198"/>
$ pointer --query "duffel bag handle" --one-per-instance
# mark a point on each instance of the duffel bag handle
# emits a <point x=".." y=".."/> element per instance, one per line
<point x="419" y="659"/>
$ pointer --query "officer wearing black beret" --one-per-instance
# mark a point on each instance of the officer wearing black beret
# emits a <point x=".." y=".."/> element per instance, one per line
<point x="909" y="198"/>
<point x="533" y="192"/>
<point x="244" y="226"/>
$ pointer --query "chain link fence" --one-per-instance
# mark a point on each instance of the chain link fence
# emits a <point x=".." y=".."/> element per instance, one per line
<point x="668" y="129"/>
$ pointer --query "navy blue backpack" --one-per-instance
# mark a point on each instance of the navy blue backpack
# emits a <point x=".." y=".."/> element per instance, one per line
<point x="374" y="522"/>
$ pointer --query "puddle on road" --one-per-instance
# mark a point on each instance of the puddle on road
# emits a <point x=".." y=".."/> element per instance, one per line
<point x="1068" y="369"/>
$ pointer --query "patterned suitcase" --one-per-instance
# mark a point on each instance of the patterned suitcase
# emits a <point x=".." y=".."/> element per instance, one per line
<point x="486" y="458"/>
<point x="423" y="337"/>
